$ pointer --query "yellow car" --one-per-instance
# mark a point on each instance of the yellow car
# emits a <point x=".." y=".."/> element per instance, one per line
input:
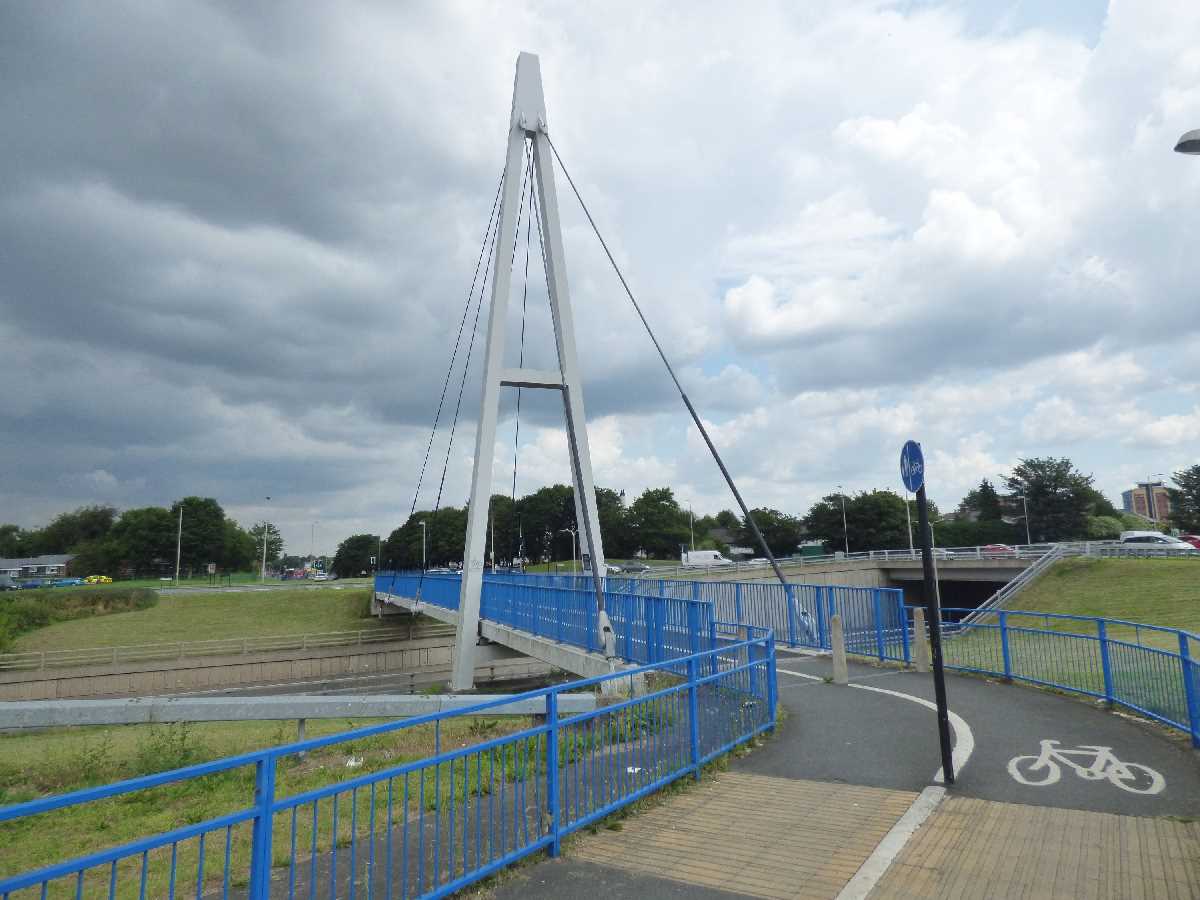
<point x="97" y="579"/>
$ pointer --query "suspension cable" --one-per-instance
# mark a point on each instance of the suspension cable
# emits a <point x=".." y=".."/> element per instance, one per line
<point x="492" y="222"/>
<point x="662" y="355"/>
<point x="470" y="349"/>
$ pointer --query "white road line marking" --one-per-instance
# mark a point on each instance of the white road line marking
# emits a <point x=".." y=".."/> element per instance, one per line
<point x="893" y="842"/>
<point x="964" y="738"/>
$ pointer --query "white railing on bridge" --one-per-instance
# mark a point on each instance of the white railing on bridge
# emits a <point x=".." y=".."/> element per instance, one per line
<point x="1025" y="552"/>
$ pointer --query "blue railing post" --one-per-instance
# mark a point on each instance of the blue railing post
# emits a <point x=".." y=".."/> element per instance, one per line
<point x="558" y="615"/>
<point x="877" y="604"/>
<point x="694" y="714"/>
<point x="712" y="644"/>
<point x="822" y="625"/>
<point x="260" y="849"/>
<point x="772" y="679"/>
<point x="693" y="626"/>
<point x="790" y="597"/>
<point x="1106" y="661"/>
<point x="737" y="602"/>
<point x="1191" y="692"/>
<point x="696" y="591"/>
<point x="552" y="772"/>
<point x="1005" y="652"/>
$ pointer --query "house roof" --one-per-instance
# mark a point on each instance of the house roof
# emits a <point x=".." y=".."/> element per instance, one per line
<point x="51" y="559"/>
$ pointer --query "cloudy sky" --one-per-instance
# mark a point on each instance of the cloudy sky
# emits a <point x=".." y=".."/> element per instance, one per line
<point x="236" y="241"/>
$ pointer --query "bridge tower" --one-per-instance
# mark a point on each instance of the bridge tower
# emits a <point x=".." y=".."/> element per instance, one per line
<point x="527" y="123"/>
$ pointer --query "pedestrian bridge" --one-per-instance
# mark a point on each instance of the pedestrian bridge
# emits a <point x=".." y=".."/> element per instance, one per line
<point x="553" y="618"/>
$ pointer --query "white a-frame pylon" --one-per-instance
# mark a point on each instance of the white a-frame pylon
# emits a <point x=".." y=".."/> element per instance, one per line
<point x="528" y="123"/>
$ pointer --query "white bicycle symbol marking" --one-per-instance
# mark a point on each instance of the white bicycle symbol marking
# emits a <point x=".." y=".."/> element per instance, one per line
<point x="1132" y="777"/>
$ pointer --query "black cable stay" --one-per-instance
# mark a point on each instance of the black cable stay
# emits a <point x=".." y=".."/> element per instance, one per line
<point x="670" y="371"/>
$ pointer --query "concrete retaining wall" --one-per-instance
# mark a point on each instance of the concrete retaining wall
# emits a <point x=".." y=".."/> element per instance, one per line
<point x="425" y="660"/>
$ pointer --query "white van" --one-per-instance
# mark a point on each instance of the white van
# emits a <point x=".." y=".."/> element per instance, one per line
<point x="704" y="559"/>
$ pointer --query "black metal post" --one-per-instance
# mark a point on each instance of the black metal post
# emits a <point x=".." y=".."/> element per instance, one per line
<point x="934" y="616"/>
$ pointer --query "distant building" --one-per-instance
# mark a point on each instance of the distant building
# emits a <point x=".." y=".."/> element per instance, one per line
<point x="34" y="566"/>
<point x="1149" y="499"/>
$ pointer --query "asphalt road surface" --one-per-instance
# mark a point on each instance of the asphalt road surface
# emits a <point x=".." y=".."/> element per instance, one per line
<point x="862" y="736"/>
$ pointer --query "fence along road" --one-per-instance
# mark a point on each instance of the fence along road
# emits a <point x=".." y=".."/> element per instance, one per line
<point x="431" y="826"/>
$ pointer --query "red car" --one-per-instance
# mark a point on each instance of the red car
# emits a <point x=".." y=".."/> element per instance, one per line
<point x="993" y="551"/>
<point x="1193" y="539"/>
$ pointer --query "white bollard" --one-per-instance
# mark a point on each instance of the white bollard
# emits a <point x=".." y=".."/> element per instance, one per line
<point x="837" y="641"/>
<point x="920" y="640"/>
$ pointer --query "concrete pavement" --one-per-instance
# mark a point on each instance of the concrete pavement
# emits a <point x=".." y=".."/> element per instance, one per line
<point x="1024" y="818"/>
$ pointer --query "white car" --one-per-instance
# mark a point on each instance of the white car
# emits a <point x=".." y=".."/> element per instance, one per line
<point x="1154" y="540"/>
<point x="320" y="576"/>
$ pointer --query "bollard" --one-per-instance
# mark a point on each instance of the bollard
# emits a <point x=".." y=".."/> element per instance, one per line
<point x="837" y="639"/>
<point x="920" y="640"/>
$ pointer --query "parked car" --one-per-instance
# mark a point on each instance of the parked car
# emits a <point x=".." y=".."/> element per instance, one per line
<point x="633" y="568"/>
<point x="997" y="551"/>
<point x="1193" y="539"/>
<point x="7" y="584"/>
<point x="31" y="584"/>
<point x="320" y="576"/>
<point x="1153" y="540"/>
<point x="97" y="579"/>
<point x="70" y="582"/>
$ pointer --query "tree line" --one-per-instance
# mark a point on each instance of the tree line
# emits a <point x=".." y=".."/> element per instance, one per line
<point x="1062" y="502"/>
<point x="142" y="541"/>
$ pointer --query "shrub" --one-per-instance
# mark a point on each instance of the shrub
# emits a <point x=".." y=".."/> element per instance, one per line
<point x="39" y="608"/>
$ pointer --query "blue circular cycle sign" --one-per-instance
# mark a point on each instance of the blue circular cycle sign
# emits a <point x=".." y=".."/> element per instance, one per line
<point x="912" y="466"/>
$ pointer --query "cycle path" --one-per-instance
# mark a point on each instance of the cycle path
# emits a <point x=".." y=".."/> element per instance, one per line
<point x="864" y="736"/>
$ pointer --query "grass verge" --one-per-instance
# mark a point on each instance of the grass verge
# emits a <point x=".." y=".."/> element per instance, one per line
<point x="211" y="616"/>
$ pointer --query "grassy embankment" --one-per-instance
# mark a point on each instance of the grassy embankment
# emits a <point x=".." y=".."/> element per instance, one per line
<point x="208" y="616"/>
<point x="1164" y="592"/>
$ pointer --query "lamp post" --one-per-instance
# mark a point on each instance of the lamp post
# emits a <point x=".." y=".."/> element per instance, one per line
<point x="423" y="532"/>
<point x="178" y="541"/>
<point x="691" y="527"/>
<point x="845" y="527"/>
<point x="262" y="575"/>
<point x="908" y="517"/>
<point x="1025" y="506"/>
<point x="1189" y="143"/>
<point x="572" y="532"/>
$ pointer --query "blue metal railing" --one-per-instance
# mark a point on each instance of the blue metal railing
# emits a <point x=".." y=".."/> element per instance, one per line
<point x="1151" y="669"/>
<point x="798" y="613"/>
<point x="428" y="827"/>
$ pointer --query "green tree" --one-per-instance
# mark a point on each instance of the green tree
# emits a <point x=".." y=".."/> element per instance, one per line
<point x="983" y="500"/>
<point x="614" y="524"/>
<point x="354" y="555"/>
<point x="1059" y="497"/>
<point x="204" y="535"/>
<point x="101" y="556"/>
<point x="658" y="524"/>
<point x="15" y="542"/>
<point x="445" y="537"/>
<point x="68" y="530"/>
<point x="781" y="531"/>
<point x="240" y="552"/>
<point x="146" y="538"/>
<point x="875" y="520"/>
<point x="274" y="542"/>
<point x="1185" y="499"/>
<point x="727" y="518"/>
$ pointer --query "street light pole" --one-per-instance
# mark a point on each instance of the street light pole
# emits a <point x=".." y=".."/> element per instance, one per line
<point x="908" y="518"/>
<point x="423" y="564"/>
<point x="1025" y="505"/>
<point x="178" y="541"/>
<point x="692" y="525"/>
<point x="262" y="577"/>
<point x="572" y="532"/>
<point x="845" y="527"/>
